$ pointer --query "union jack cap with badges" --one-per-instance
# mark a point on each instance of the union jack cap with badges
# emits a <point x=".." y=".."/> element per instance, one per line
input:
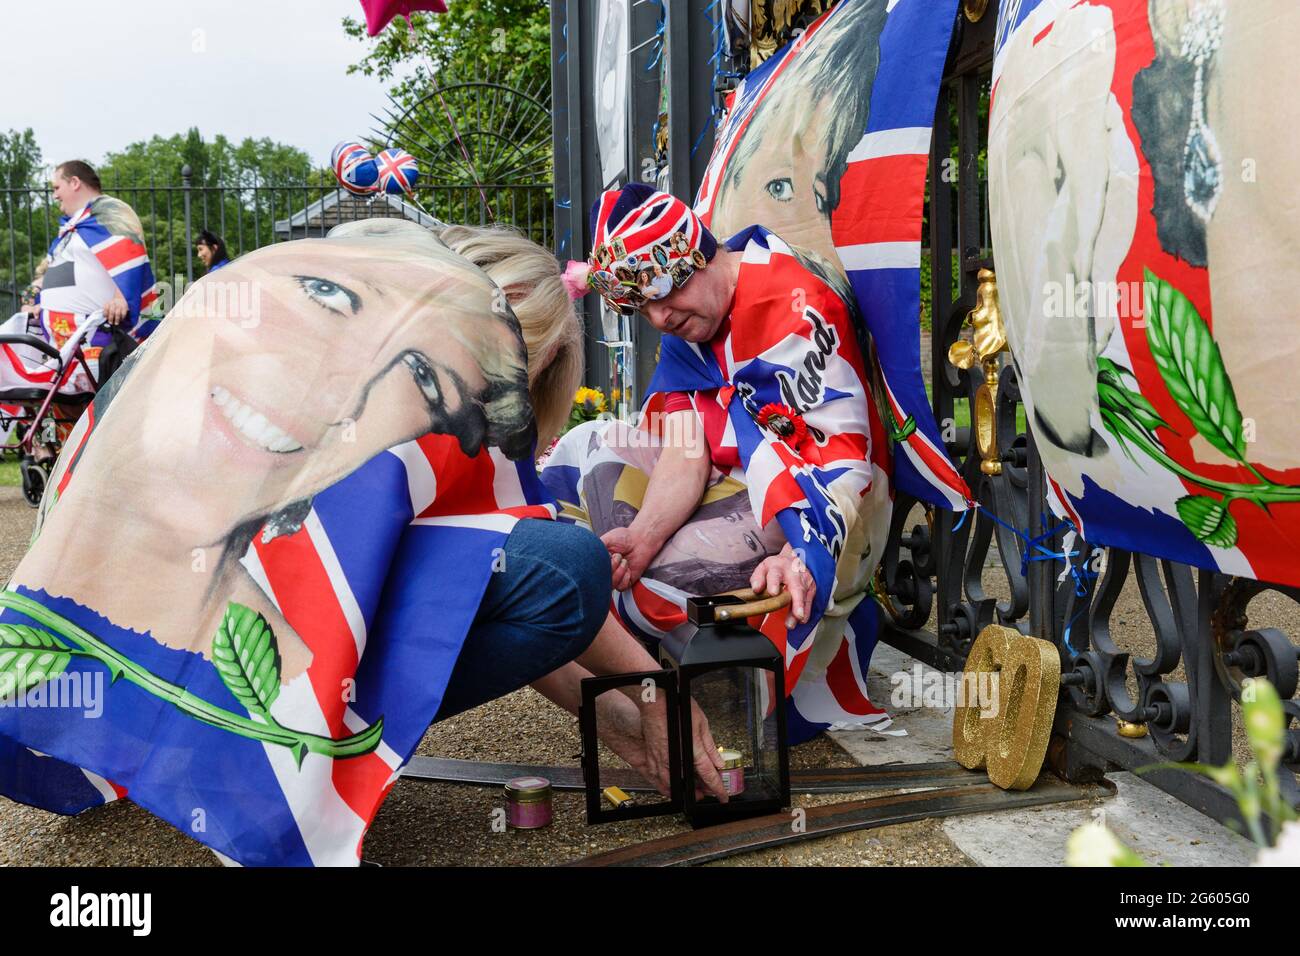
<point x="646" y="243"/>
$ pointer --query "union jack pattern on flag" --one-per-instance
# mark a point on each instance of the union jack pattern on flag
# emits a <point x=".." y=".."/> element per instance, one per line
<point x="876" y="226"/>
<point x="381" y="580"/>
<point x="823" y="495"/>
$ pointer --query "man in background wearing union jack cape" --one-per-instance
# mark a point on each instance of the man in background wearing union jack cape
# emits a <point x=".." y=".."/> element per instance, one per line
<point x="97" y="275"/>
<point x="760" y="460"/>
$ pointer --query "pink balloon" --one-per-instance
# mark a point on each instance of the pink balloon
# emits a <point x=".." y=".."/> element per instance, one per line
<point x="379" y="13"/>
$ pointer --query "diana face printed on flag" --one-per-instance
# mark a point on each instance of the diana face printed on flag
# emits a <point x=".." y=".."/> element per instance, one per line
<point x="785" y="169"/>
<point x="1089" y="115"/>
<point x="298" y="364"/>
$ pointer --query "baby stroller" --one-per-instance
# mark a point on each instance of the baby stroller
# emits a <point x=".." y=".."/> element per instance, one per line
<point x="36" y="415"/>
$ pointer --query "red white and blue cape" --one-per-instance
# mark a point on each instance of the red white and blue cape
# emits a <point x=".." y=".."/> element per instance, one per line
<point x="789" y="340"/>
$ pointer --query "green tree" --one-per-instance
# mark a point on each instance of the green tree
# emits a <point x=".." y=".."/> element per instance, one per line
<point x="219" y="163"/>
<point x="20" y="159"/>
<point x="24" y="214"/>
<point x="484" y="153"/>
<point x="238" y="190"/>
<point x="510" y="39"/>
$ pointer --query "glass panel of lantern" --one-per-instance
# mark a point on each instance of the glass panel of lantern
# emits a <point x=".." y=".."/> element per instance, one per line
<point x="732" y="678"/>
<point x="614" y="790"/>
<point x="720" y="673"/>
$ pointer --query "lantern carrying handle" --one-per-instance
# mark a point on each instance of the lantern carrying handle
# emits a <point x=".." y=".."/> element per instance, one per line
<point x="752" y="606"/>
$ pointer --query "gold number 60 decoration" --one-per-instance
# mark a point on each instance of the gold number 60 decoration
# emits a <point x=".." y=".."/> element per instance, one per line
<point x="1005" y="723"/>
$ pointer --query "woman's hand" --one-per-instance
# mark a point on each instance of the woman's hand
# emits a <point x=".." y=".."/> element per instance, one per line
<point x="630" y="553"/>
<point x="786" y="570"/>
<point x="706" y="760"/>
<point x="622" y="731"/>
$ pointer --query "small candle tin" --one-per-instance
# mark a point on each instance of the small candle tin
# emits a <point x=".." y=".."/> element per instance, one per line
<point x="528" y="803"/>
<point x="733" y="771"/>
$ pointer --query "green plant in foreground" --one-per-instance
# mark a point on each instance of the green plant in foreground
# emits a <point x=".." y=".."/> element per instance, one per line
<point x="1256" y="788"/>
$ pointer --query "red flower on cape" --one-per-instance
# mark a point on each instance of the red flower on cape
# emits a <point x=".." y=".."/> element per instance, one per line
<point x="785" y="422"/>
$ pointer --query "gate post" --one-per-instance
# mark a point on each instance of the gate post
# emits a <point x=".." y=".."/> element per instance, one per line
<point x="575" y="176"/>
<point x="186" y="173"/>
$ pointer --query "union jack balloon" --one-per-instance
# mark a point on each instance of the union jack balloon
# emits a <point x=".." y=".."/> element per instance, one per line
<point x="398" y="171"/>
<point x="355" y="168"/>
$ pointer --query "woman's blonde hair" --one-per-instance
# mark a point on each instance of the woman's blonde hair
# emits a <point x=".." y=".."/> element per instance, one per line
<point x="529" y="275"/>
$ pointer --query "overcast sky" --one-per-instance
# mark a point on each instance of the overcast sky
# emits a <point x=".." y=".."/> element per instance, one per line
<point x="91" y="76"/>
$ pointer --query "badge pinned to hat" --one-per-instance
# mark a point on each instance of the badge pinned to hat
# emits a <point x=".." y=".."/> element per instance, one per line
<point x="649" y="242"/>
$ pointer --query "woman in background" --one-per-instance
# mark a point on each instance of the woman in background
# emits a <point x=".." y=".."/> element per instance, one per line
<point x="211" y="250"/>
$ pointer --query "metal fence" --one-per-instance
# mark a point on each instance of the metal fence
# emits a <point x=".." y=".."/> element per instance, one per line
<point x="252" y="215"/>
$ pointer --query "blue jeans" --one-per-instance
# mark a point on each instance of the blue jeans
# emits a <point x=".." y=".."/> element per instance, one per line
<point x="538" y="613"/>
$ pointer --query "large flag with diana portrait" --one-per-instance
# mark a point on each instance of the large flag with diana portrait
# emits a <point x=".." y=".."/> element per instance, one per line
<point x="263" y="547"/>
<point x="1143" y="216"/>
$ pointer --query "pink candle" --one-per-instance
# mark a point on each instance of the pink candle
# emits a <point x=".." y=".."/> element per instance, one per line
<point x="733" y="771"/>
<point x="528" y="803"/>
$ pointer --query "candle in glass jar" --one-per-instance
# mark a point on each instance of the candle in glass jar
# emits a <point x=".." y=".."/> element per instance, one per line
<point x="528" y="803"/>
<point x="733" y="771"/>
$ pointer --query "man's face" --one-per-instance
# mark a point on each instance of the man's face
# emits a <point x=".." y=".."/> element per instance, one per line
<point x="694" y="310"/>
<point x="67" y="193"/>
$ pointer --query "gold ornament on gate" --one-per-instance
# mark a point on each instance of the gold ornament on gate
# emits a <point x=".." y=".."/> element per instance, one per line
<point x="975" y="9"/>
<point x="1128" y="728"/>
<point x="987" y="344"/>
<point x="1014" y="680"/>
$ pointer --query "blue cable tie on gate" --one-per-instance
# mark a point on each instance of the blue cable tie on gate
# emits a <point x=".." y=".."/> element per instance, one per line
<point x="1069" y="626"/>
<point x="700" y="139"/>
<point x="658" y="38"/>
<point x="1078" y="572"/>
<point x="1032" y="544"/>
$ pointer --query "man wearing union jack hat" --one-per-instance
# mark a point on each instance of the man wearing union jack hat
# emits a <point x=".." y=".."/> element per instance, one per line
<point x="761" y="459"/>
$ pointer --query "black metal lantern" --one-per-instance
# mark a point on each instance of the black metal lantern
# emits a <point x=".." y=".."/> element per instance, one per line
<point x="717" y="665"/>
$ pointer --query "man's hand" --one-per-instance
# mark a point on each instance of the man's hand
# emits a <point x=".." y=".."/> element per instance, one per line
<point x="788" y="571"/>
<point x="116" y="309"/>
<point x="672" y="494"/>
<point x="630" y="553"/>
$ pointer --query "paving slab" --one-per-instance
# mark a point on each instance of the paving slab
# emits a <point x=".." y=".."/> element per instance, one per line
<point x="1161" y="829"/>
